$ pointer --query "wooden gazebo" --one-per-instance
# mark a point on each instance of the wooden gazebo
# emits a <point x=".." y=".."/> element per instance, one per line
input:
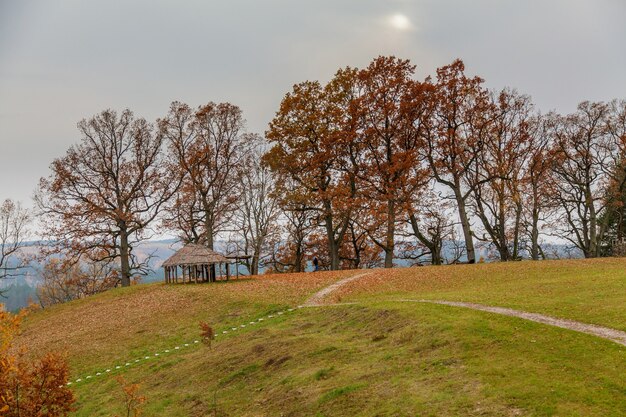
<point x="196" y="263"/>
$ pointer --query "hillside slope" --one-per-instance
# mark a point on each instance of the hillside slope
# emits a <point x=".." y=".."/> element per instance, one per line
<point x="364" y="353"/>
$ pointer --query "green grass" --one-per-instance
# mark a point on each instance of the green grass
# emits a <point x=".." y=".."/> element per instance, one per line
<point x="592" y="291"/>
<point x="375" y="358"/>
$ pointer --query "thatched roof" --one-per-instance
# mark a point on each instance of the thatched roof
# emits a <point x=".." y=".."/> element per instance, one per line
<point x="192" y="254"/>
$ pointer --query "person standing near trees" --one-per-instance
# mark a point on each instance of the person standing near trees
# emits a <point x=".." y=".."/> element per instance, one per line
<point x="316" y="264"/>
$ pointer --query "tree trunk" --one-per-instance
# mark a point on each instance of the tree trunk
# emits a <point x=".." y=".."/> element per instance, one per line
<point x="208" y="235"/>
<point x="391" y="228"/>
<point x="124" y="258"/>
<point x="534" y="236"/>
<point x="516" y="230"/>
<point x="502" y="241"/>
<point x="465" y="224"/>
<point x="254" y="267"/>
<point x="434" y="245"/>
<point x="208" y="232"/>
<point x="435" y="254"/>
<point x="593" y="235"/>
<point x="299" y="259"/>
<point x="333" y="245"/>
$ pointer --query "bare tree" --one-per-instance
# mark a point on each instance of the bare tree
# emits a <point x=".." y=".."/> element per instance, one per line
<point x="258" y="210"/>
<point x="14" y="221"/>
<point x="66" y="281"/>
<point x="457" y="250"/>
<point x="207" y="147"/>
<point x="537" y="200"/>
<point x="496" y="178"/>
<point x="613" y="220"/>
<point x="288" y="251"/>
<point x="580" y="154"/>
<point x="103" y="195"/>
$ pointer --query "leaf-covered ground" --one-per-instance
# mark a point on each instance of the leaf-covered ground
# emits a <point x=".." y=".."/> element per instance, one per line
<point x="133" y="321"/>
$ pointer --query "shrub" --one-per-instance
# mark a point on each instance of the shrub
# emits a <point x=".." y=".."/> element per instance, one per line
<point x="30" y="388"/>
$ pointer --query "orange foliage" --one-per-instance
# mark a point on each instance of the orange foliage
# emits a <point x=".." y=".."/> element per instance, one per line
<point x="30" y="388"/>
<point x="133" y="402"/>
<point x="105" y="192"/>
<point x="207" y="333"/>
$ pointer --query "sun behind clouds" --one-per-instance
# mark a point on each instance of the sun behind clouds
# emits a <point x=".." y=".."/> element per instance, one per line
<point x="400" y="22"/>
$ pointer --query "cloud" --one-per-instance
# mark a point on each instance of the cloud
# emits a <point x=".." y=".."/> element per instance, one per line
<point x="65" y="60"/>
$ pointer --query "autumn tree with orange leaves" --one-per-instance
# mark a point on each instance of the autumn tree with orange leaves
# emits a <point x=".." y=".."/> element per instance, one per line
<point x="311" y="136"/>
<point x="393" y="110"/>
<point x="105" y="193"/>
<point x="366" y="167"/>
<point x="455" y="139"/>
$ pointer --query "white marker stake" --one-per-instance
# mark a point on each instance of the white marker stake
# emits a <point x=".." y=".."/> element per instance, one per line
<point x="186" y="344"/>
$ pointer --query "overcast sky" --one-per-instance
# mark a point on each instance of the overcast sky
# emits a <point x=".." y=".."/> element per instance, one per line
<point x="64" y="60"/>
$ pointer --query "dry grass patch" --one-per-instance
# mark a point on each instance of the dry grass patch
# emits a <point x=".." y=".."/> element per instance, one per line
<point x="143" y="318"/>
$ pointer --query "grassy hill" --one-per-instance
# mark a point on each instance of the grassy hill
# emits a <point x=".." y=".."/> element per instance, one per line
<point x="368" y="354"/>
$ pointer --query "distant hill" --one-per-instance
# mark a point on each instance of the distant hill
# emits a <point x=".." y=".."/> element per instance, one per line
<point x="21" y="289"/>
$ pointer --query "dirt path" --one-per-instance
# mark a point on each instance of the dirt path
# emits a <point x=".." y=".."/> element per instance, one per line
<point x="317" y="299"/>
<point x="617" y="336"/>
<point x="613" y="335"/>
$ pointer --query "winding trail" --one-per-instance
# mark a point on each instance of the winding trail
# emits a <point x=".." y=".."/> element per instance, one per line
<point x="317" y="299"/>
<point x="614" y="335"/>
